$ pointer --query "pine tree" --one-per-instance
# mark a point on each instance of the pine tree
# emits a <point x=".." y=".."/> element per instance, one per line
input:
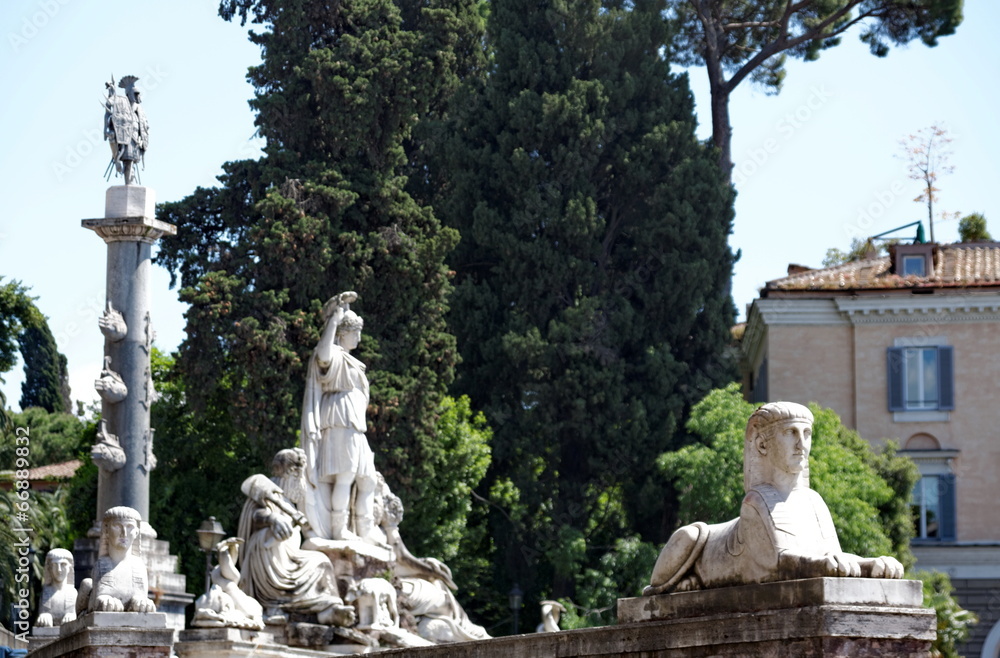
<point x="339" y="90"/>
<point x="592" y="300"/>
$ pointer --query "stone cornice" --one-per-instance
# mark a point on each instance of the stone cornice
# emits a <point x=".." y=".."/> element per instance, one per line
<point x="937" y="308"/>
<point x="129" y="229"/>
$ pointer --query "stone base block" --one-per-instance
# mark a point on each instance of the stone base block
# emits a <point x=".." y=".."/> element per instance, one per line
<point x="789" y="594"/>
<point x="41" y="635"/>
<point x="111" y="634"/>
<point x="129" y="201"/>
<point x="814" y="618"/>
<point x="235" y="643"/>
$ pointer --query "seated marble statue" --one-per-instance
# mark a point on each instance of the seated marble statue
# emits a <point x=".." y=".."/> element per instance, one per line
<point x="225" y="604"/>
<point x="784" y="531"/>
<point x="425" y="583"/>
<point x="275" y="569"/>
<point x="119" y="583"/>
<point x="58" y="602"/>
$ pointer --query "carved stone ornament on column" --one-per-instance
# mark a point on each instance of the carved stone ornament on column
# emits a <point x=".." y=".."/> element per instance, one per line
<point x="110" y="386"/>
<point x="150" y="334"/>
<point x="151" y="395"/>
<point x="112" y="324"/>
<point x="107" y="453"/>
<point x="150" y="462"/>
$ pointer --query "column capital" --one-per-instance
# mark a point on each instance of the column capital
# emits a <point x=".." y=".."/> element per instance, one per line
<point x="129" y="229"/>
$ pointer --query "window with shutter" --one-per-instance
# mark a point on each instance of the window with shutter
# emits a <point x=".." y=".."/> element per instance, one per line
<point x="921" y="378"/>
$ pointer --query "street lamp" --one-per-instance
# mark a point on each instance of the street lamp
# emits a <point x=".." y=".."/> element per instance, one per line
<point x="210" y="533"/>
<point x="515" y="598"/>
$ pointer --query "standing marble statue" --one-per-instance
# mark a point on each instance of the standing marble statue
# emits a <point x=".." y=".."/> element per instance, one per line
<point x="58" y="602"/>
<point x="125" y="128"/>
<point x="784" y="531"/>
<point x="275" y="569"/>
<point x="339" y="459"/>
<point x="119" y="583"/>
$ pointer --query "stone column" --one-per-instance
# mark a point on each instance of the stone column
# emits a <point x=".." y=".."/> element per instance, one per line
<point x="130" y="229"/>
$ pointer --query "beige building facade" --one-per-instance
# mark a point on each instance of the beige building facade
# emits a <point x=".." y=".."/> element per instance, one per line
<point x="912" y="357"/>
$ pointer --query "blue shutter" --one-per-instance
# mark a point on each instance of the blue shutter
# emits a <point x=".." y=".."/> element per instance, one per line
<point x="946" y="378"/>
<point x="946" y="500"/>
<point x="894" y="376"/>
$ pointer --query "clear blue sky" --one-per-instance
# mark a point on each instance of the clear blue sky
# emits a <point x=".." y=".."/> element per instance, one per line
<point x="813" y="158"/>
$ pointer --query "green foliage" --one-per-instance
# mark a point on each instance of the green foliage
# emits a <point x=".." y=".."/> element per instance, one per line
<point x="622" y="571"/>
<point x="463" y="444"/>
<point x="953" y="623"/>
<point x="201" y="463"/>
<point x="591" y="300"/>
<point x="46" y="527"/>
<point x="860" y="250"/>
<point x="868" y="492"/>
<point x="46" y="378"/>
<point x="24" y="329"/>
<point x="972" y="228"/>
<point x="870" y="510"/>
<point x="752" y="40"/>
<point x="55" y="437"/>
<point x="339" y="91"/>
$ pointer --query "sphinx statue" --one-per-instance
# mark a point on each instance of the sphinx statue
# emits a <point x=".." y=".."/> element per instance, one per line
<point x="119" y="582"/>
<point x="58" y="602"/>
<point x="225" y="604"/>
<point x="784" y="530"/>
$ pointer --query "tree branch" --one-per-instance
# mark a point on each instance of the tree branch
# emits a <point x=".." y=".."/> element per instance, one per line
<point x="783" y="42"/>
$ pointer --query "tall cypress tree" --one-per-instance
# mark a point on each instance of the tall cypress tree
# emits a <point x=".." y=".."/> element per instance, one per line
<point x="592" y="301"/>
<point x="339" y="90"/>
<point x="46" y="379"/>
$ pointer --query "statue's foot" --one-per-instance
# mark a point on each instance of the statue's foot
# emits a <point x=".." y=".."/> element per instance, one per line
<point x="338" y="615"/>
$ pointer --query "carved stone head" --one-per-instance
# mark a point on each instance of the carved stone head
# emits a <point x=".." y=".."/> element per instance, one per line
<point x="760" y="433"/>
<point x="58" y="568"/>
<point x="120" y="527"/>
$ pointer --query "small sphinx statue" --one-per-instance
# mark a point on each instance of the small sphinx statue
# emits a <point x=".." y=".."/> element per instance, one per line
<point x="784" y="530"/>
<point x="119" y="583"/>
<point x="225" y="604"/>
<point x="58" y="603"/>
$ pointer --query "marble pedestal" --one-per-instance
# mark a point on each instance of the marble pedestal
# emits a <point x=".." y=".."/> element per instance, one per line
<point x="235" y="643"/>
<point x="816" y="617"/>
<point x="111" y="635"/>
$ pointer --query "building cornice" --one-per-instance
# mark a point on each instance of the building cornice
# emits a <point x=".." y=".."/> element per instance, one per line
<point x="937" y="308"/>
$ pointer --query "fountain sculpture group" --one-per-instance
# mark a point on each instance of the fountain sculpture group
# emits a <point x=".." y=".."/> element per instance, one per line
<point x="319" y="561"/>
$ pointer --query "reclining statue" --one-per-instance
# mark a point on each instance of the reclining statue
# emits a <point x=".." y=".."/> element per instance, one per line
<point x="784" y="531"/>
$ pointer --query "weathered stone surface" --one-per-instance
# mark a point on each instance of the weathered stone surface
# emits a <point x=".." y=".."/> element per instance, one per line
<point x="784" y="530"/>
<point x="773" y="596"/>
<point x="113" y="634"/>
<point x="129" y="201"/>
<point x="235" y="643"/>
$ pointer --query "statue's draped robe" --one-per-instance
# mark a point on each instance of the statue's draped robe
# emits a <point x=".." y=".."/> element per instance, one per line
<point x="278" y="572"/>
<point x="333" y="429"/>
